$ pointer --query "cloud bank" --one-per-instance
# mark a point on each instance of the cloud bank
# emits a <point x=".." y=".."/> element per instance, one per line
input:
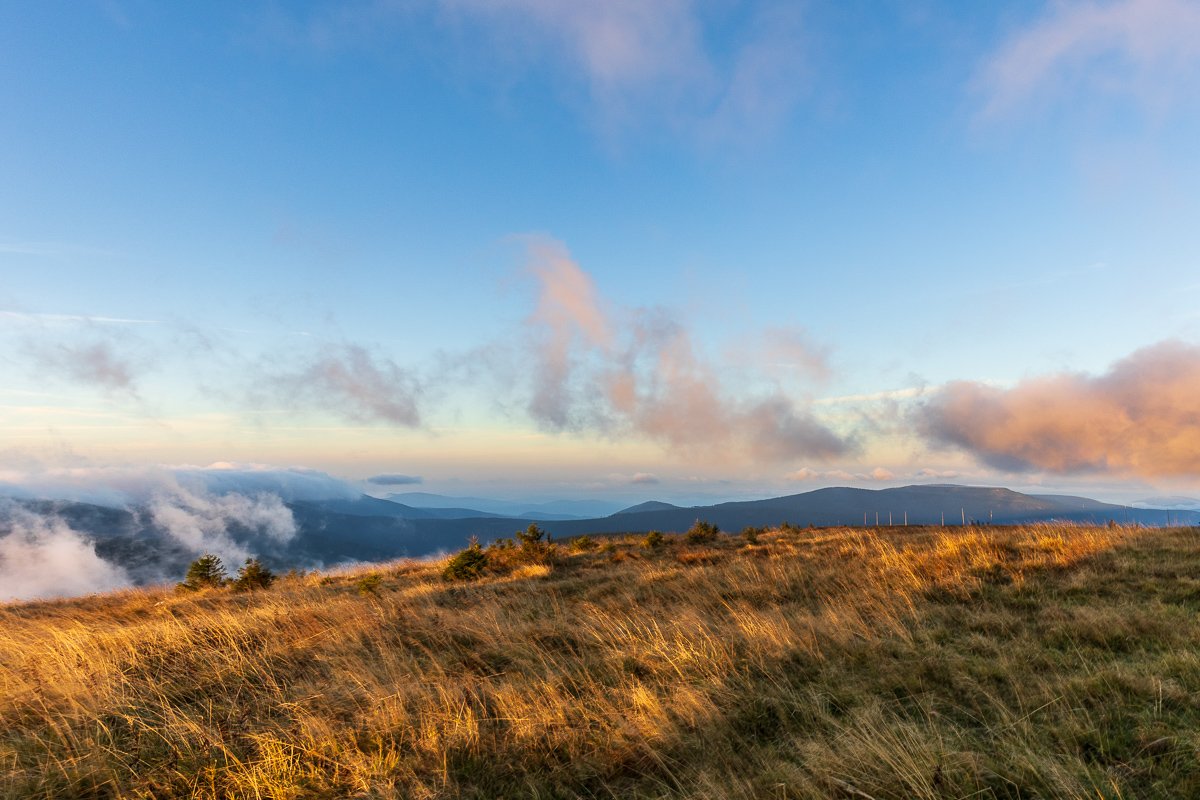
<point x="637" y="372"/>
<point x="233" y="511"/>
<point x="123" y="487"/>
<point x="205" y="523"/>
<point x="1141" y="417"/>
<point x="394" y="479"/>
<point x="41" y="556"/>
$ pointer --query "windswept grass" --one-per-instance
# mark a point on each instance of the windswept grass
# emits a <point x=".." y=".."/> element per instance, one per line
<point x="898" y="663"/>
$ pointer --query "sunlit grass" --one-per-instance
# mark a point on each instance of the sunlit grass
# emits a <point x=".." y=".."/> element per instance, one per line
<point x="1047" y="661"/>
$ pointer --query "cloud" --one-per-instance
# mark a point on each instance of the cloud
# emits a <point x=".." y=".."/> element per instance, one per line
<point x="702" y="70"/>
<point x="288" y="483"/>
<point x="52" y="318"/>
<point x="637" y="372"/>
<point x="944" y="474"/>
<point x="1142" y="417"/>
<point x="567" y="313"/>
<point x="806" y="474"/>
<point x="351" y="382"/>
<point x="232" y="510"/>
<point x="661" y="60"/>
<point x="791" y="350"/>
<point x="101" y="352"/>
<point x="205" y="523"/>
<point x="123" y="487"/>
<point x="616" y="44"/>
<point x="803" y="474"/>
<point x="41" y="556"/>
<point x="1145" y="49"/>
<point x="645" y="478"/>
<point x="394" y="479"/>
<point x="95" y="363"/>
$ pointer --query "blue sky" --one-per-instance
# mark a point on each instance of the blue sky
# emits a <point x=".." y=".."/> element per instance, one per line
<point x="684" y="249"/>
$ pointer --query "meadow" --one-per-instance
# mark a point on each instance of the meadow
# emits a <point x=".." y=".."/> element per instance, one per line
<point x="1047" y="661"/>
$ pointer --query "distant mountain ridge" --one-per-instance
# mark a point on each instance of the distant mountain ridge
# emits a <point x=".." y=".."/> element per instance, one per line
<point x="918" y="505"/>
<point x="649" y="505"/>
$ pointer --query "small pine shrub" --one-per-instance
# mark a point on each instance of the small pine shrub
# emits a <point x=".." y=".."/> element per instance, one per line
<point x="467" y="565"/>
<point x="253" y="575"/>
<point x="369" y="583"/>
<point x="653" y="540"/>
<point x="701" y="533"/>
<point x="534" y="547"/>
<point x="750" y="534"/>
<point x="206" y="572"/>
<point x="531" y="536"/>
<point x="583" y="544"/>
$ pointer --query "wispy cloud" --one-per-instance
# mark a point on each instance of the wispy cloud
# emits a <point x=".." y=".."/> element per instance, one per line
<point x="1142" y="417"/>
<point x="1148" y="50"/>
<point x="47" y="249"/>
<point x="625" y="62"/>
<point x="40" y="317"/>
<point x="657" y="60"/>
<point x="638" y="372"/>
<point x="355" y="384"/>
<point x="789" y="350"/>
<point x="97" y="363"/>
<point x="567" y="319"/>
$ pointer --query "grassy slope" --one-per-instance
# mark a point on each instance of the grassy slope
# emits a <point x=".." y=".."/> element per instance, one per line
<point x="1036" y="662"/>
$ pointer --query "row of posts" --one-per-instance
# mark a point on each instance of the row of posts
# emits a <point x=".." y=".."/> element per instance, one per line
<point x="963" y="516"/>
<point x="962" y="511"/>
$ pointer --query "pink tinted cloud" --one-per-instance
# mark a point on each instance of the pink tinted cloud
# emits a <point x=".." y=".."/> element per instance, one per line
<point x="97" y="363"/>
<point x="1149" y="49"/>
<point x="567" y="319"/>
<point x="350" y="381"/>
<point x="1142" y="417"/>
<point x="614" y="42"/>
<point x="808" y="474"/>
<point x="639" y="372"/>
<point x="656" y="59"/>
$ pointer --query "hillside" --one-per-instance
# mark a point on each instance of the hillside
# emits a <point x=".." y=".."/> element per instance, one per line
<point x="326" y="533"/>
<point x="1042" y="661"/>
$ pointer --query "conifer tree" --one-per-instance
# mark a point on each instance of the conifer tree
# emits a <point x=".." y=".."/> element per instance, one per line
<point x="253" y="575"/>
<point x="207" y="571"/>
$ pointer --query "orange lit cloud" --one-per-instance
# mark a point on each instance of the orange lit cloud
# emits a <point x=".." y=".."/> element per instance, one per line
<point x="1142" y="417"/>
<point x="809" y="474"/>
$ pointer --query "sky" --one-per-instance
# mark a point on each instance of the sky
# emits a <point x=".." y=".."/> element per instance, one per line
<point x="692" y="250"/>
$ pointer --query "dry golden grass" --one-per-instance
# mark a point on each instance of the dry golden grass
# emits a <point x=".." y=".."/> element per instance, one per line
<point x="898" y="663"/>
